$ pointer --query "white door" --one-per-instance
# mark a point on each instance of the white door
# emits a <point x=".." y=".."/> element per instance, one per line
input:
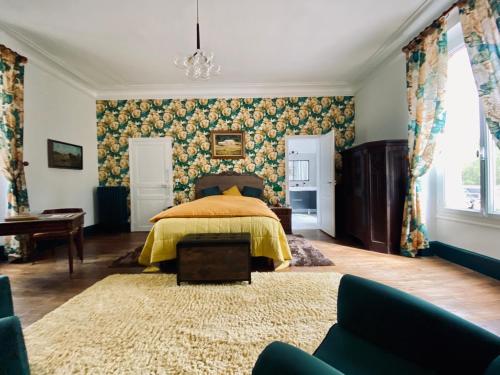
<point x="151" y="187"/>
<point x="326" y="212"/>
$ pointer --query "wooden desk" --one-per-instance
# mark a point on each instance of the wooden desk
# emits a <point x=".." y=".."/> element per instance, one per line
<point x="70" y="224"/>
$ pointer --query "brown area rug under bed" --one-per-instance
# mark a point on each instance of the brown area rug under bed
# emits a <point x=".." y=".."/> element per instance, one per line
<point x="304" y="254"/>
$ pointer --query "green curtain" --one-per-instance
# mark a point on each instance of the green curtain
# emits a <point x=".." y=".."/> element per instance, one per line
<point x="480" y="24"/>
<point x="426" y="73"/>
<point x="11" y="138"/>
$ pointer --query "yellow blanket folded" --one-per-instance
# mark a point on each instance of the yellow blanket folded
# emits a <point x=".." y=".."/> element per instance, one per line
<point x="217" y="214"/>
<point x="268" y="238"/>
<point x="218" y="206"/>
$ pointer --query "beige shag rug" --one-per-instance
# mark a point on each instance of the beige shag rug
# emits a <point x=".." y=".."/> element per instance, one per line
<point x="146" y="324"/>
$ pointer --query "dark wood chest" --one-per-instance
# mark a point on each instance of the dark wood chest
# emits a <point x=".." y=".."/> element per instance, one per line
<point x="214" y="257"/>
<point x="374" y="178"/>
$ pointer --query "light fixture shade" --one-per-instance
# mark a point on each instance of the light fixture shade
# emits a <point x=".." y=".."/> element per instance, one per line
<point x="199" y="65"/>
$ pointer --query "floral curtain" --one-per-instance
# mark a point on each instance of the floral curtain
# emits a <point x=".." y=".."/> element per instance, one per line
<point x="11" y="138"/>
<point x="480" y="24"/>
<point x="426" y="72"/>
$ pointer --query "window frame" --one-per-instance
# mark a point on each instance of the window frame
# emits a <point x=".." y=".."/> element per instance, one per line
<point x="486" y="215"/>
<point x="490" y="148"/>
<point x="292" y="168"/>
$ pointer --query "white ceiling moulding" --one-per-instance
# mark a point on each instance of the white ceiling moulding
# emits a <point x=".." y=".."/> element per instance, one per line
<point x="243" y="90"/>
<point x="48" y="62"/>
<point x="391" y="48"/>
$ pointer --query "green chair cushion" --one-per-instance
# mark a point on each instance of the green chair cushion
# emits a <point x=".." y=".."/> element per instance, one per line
<point x="6" y="306"/>
<point x="494" y="367"/>
<point x="281" y="358"/>
<point x="13" y="356"/>
<point x="413" y="329"/>
<point x="353" y="355"/>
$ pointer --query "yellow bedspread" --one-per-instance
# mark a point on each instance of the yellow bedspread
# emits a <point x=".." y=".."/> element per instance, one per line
<point x="217" y="214"/>
<point x="218" y="206"/>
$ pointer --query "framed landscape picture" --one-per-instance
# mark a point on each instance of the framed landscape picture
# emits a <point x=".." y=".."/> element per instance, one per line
<point x="64" y="155"/>
<point x="227" y="144"/>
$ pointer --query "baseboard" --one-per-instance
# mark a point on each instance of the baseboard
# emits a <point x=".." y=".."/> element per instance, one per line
<point x="426" y="252"/>
<point x="474" y="261"/>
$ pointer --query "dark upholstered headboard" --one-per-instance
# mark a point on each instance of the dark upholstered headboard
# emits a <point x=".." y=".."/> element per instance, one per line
<point x="227" y="179"/>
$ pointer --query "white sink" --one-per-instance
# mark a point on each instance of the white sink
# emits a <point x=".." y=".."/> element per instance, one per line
<point x="303" y="188"/>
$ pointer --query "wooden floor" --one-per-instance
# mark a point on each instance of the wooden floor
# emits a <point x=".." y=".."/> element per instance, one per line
<point x="41" y="287"/>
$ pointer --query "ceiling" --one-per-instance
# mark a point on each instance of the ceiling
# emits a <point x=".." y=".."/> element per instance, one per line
<point x="123" y="43"/>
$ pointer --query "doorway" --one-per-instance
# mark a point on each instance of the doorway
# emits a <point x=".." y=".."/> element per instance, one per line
<point x="310" y="179"/>
<point x="151" y="186"/>
<point x="302" y="180"/>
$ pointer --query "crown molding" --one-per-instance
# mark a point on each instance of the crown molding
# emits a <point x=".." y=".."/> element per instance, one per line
<point x="233" y="90"/>
<point x="391" y="48"/>
<point x="58" y="68"/>
<point x="48" y="62"/>
<point x="369" y="74"/>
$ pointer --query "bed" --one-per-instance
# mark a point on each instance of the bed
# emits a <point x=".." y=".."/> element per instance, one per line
<point x="219" y="214"/>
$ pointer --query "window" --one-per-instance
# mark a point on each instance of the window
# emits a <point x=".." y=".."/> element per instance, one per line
<point x="469" y="161"/>
<point x="298" y="170"/>
<point x="494" y="168"/>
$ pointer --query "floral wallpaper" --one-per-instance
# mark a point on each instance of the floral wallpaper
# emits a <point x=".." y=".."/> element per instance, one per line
<point x="189" y="122"/>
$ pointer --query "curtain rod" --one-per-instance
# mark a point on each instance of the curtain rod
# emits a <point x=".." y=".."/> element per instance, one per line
<point x="22" y="59"/>
<point x="415" y="40"/>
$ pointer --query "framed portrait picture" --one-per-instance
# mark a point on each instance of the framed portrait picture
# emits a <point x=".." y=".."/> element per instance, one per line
<point x="227" y="144"/>
<point x="64" y="155"/>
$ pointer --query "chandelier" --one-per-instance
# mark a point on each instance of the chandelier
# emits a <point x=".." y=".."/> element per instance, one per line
<point x="200" y="64"/>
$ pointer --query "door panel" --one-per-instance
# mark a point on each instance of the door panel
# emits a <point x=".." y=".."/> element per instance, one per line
<point x="151" y="187"/>
<point x="357" y="214"/>
<point x="327" y="183"/>
<point x="378" y="196"/>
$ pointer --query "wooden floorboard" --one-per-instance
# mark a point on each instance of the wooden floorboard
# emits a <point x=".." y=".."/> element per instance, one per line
<point x="43" y="286"/>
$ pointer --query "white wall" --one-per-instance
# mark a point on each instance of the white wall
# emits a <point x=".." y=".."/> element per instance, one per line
<point x="381" y="113"/>
<point x="474" y="237"/>
<point x="381" y="108"/>
<point x="54" y="109"/>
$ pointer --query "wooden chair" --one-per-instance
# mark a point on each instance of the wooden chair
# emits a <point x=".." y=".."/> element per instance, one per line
<point x="75" y="235"/>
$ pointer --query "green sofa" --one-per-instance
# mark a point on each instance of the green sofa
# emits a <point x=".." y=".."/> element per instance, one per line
<point x="381" y="330"/>
<point x="13" y="356"/>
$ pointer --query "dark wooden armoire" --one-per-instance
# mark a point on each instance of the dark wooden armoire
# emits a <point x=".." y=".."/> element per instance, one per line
<point x="374" y="177"/>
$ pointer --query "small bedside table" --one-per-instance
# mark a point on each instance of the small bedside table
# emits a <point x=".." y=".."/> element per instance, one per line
<point x="285" y="216"/>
